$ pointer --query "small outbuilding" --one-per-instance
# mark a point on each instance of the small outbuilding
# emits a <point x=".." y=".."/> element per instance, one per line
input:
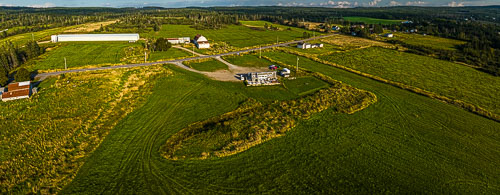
<point x="389" y="35"/>
<point x="181" y="40"/>
<point x="304" y="45"/>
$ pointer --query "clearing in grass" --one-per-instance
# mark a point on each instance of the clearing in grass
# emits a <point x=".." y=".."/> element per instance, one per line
<point x="250" y="60"/>
<point x="438" y="76"/>
<point x="80" y="54"/>
<point x="49" y="136"/>
<point x="368" y="20"/>
<point x="304" y="85"/>
<point x="172" y="53"/>
<point x="428" y="142"/>
<point x="207" y="65"/>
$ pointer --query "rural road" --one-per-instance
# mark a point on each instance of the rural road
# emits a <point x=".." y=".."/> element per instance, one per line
<point x="178" y="62"/>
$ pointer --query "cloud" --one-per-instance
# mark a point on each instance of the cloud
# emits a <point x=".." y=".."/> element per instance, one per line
<point x="6" y="5"/>
<point x="455" y="4"/>
<point x="374" y="2"/>
<point x="394" y="3"/>
<point x="45" y="5"/>
<point x="415" y="3"/>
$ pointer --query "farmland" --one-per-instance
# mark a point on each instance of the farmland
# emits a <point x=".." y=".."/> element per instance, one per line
<point x="442" y="77"/>
<point x="44" y="140"/>
<point x="172" y="53"/>
<point x="429" y="143"/>
<point x="428" y="41"/>
<point x="209" y="65"/>
<point x="251" y="60"/>
<point x="367" y="20"/>
<point x="234" y="35"/>
<point x="304" y="85"/>
<point x="81" y="54"/>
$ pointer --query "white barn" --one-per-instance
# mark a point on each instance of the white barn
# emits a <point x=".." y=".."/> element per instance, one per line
<point x="201" y="42"/>
<point x="94" y="37"/>
<point x="181" y="40"/>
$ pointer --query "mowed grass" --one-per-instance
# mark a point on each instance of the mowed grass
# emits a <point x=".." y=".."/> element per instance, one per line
<point x="172" y="53"/>
<point x="304" y="85"/>
<point x="428" y="41"/>
<point x="210" y="65"/>
<point x="45" y="139"/>
<point x="438" y="76"/>
<point x="22" y="39"/>
<point x="403" y="143"/>
<point x="250" y="60"/>
<point x="235" y="35"/>
<point x="80" y="54"/>
<point x="368" y="20"/>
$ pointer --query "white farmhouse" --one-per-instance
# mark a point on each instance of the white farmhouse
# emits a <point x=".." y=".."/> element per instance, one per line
<point x="94" y="37"/>
<point x="201" y="42"/>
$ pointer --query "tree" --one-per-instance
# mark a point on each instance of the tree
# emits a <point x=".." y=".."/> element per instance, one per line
<point x="22" y="75"/>
<point x="162" y="45"/>
<point x="4" y="76"/>
<point x="156" y="27"/>
<point x="377" y="29"/>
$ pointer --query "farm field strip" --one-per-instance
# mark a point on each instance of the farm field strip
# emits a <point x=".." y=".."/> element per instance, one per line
<point x="368" y="20"/>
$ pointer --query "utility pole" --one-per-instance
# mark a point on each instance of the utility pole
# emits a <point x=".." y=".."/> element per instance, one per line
<point x="297" y="65"/>
<point x="260" y="51"/>
<point x="65" y="64"/>
<point x="145" y="56"/>
<point x="33" y="37"/>
<point x="193" y="50"/>
<point x="277" y="40"/>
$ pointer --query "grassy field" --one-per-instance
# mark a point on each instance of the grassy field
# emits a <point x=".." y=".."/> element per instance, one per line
<point x="428" y="41"/>
<point x="251" y="60"/>
<point x="234" y="35"/>
<point x="403" y="143"/>
<point x="172" y="53"/>
<point x="22" y="39"/>
<point x="304" y="85"/>
<point x="86" y="53"/>
<point x="442" y="77"/>
<point x="367" y="20"/>
<point x="44" y="140"/>
<point x="345" y="42"/>
<point x="208" y="65"/>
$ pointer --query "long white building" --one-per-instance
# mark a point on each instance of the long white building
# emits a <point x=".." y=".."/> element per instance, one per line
<point x="94" y="37"/>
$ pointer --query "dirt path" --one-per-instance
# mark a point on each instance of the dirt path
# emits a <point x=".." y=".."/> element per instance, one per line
<point x="188" y="50"/>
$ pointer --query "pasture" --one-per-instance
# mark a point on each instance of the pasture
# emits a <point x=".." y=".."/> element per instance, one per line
<point x="172" y="53"/>
<point x="234" y="35"/>
<point x="304" y="85"/>
<point x="45" y="139"/>
<point x="250" y="60"/>
<point x="438" y="76"/>
<point x="368" y="20"/>
<point x="403" y="143"/>
<point x="427" y="41"/>
<point x="207" y="65"/>
<point x="80" y="54"/>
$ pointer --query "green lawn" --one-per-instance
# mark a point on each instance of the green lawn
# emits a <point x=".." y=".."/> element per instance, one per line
<point x="403" y="143"/>
<point x="210" y="65"/>
<point x="250" y="60"/>
<point x="442" y="77"/>
<point x="22" y="39"/>
<point x="86" y="53"/>
<point x="172" y="53"/>
<point x="368" y="20"/>
<point x="235" y="35"/>
<point x="304" y="85"/>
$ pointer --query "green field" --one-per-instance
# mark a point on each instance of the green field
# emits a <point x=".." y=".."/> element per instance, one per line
<point x="442" y="77"/>
<point x="86" y="53"/>
<point x="403" y="143"/>
<point x="210" y="65"/>
<point x="235" y="35"/>
<point x="428" y="41"/>
<point x="304" y="85"/>
<point x="172" y="53"/>
<point x="367" y="20"/>
<point x="22" y="39"/>
<point x="251" y="60"/>
<point x="45" y="139"/>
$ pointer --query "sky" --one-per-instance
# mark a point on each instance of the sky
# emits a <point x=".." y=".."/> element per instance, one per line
<point x="208" y="3"/>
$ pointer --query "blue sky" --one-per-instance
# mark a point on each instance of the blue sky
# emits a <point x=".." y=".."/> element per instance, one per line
<point x="206" y="3"/>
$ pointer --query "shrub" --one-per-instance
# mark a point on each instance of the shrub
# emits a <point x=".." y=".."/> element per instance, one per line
<point x="23" y="75"/>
